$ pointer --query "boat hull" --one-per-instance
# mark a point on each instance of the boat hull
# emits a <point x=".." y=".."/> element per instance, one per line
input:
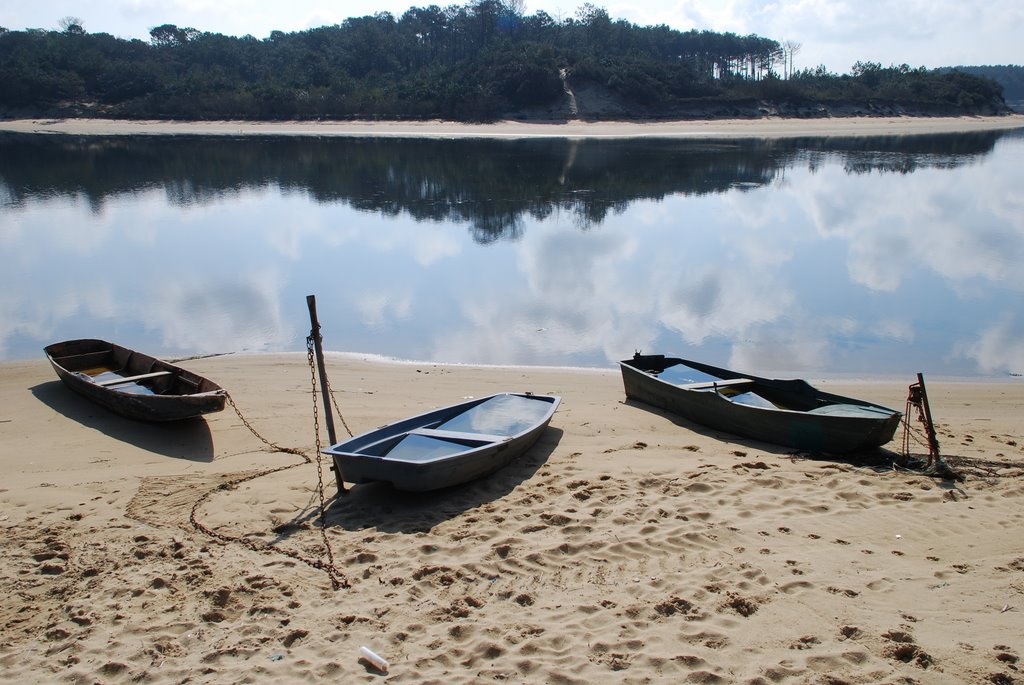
<point x="442" y="457"/>
<point x="806" y="423"/>
<point x="164" y="391"/>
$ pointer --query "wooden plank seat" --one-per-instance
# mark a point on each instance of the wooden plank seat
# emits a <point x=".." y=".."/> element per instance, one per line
<point x="707" y="385"/>
<point x="132" y="379"/>
<point x="458" y="435"/>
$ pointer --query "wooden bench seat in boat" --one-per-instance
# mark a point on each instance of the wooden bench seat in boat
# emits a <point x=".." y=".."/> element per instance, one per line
<point x="132" y="379"/>
<point x="458" y="435"/>
<point x="707" y="385"/>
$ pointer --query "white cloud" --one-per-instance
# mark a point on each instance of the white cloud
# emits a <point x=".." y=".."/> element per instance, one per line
<point x="998" y="348"/>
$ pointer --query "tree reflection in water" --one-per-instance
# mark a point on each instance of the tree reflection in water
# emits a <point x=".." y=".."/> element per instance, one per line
<point x="813" y="254"/>
<point x="488" y="184"/>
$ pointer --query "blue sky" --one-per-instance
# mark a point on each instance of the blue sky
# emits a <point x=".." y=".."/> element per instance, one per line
<point x="833" y="33"/>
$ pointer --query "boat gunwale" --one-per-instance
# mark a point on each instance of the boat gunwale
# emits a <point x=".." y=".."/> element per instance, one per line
<point x="415" y="423"/>
<point x="740" y="406"/>
<point x="804" y="429"/>
<point x="155" y="407"/>
<point x="178" y="372"/>
<point x="767" y="383"/>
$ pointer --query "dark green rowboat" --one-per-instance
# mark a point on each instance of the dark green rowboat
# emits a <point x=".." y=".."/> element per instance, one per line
<point x="782" y="412"/>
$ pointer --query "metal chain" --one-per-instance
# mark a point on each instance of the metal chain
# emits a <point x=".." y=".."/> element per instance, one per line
<point x="331" y="570"/>
<point x="337" y="409"/>
<point x="338" y="579"/>
<point x="911" y="431"/>
<point x="274" y="446"/>
<point x="940" y="466"/>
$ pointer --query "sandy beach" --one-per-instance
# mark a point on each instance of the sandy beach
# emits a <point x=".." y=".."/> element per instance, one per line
<point x="626" y="546"/>
<point x="769" y="127"/>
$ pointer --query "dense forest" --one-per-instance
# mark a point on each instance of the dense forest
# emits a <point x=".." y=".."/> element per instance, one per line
<point x="477" y="62"/>
<point x="1010" y="77"/>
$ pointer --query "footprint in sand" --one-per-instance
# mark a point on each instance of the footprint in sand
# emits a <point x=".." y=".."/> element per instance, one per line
<point x="795" y="587"/>
<point x="849" y="632"/>
<point x="524" y="600"/>
<point x="744" y="606"/>
<point x="902" y="648"/>
<point x="805" y="642"/>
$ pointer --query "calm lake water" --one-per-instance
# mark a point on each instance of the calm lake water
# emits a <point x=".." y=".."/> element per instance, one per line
<point x="814" y="257"/>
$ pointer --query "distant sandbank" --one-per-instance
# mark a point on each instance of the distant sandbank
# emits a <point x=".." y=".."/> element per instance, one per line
<point x="711" y="128"/>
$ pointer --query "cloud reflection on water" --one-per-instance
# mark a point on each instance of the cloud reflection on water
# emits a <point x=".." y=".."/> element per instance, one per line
<point x="999" y="347"/>
<point x="817" y="264"/>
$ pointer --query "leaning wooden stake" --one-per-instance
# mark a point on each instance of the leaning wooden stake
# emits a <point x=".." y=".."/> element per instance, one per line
<point x="933" y="442"/>
<point x="918" y="397"/>
<point x="318" y="348"/>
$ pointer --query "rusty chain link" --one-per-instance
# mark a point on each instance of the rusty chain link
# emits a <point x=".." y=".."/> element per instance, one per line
<point x="338" y="579"/>
<point x="273" y="446"/>
<point x="334" y="401"/>
<point x="925" y="437"/>
<point x="912" y="432"/>
<point x="320" y="469"/>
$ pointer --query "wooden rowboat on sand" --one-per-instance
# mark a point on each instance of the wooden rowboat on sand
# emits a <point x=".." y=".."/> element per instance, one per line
<point x="133" y="384"/>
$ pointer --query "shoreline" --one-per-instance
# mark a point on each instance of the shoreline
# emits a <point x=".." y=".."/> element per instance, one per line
<point x="848" y="378"/>
<point x="695" y="129"/>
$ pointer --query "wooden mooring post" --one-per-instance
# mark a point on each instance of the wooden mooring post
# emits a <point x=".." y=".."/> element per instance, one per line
<point x="918" y="397"/>
<point x="319" y="350"/>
